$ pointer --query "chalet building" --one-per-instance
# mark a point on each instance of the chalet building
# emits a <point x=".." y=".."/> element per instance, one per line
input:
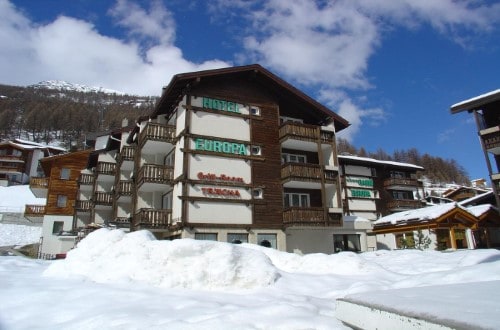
<point x="233" y="155"/>
<point x="440" y="227"/>
<point x="59" y="186"/>
<point x="486" y="110"/>
<point x="373" y="188"/>
<point x="462" y="193"/>
<point x="19" y="160"/>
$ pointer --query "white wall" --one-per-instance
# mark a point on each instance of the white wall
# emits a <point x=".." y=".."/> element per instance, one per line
<point x="214" y="212"/>
<point x="52" y="243"/>
<point x="222" y="126"/>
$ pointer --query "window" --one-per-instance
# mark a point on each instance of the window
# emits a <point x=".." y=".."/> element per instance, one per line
<point x="290" y="119"/>
<point x="398" y="175"/>
<point x="346" y="242"/>
<point x="267" y="240"/>
<point x="206" y="236"/>
<point x="62" y="200"/>
<point x="256" y="150"/>
<point x="296" y="200"/>
<point x="57" y="227"/>
<point x="405" y="240"/>
<point x="65" y="172"/>
<point x="397" y="194"/>
<point x="293" y="158"/>
<point x="255" y="111"/>
<point x="237" y="238"/>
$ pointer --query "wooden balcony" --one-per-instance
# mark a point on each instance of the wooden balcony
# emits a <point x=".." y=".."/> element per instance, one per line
<point x="404" y="204"/>
<point x="155" y="174"/>
<point x="157" y="132"/>
<point x="39" y="186"/>
<point x="106" y="168"/>
<point x="299" y="131"/>
<point x="327" y="136"/>
<point x="103" y="198"/>
<point x="491" y="139"/>
<point x="83" y="205"/>
<point x="86" y="179"/>
<point x="306" y="172"/>
<point x="312" y="216"/>
<point x="153" y="218"/>
<point x="31" y="210"/>
<point x="124" y="188"/>
<point x="121" y="222"/>
<point x="400" y="183"/>
<point x="11" y="167"/>
<point x="126" y="154"/>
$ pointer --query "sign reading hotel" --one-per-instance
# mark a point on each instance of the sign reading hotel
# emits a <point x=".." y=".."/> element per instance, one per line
<point x="221" y="105"/>
<point x="219" y="146"/>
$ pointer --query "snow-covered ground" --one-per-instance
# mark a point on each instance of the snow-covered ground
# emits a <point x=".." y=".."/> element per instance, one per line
<point x="15" y="198"/>
<point x="114" y="280"/>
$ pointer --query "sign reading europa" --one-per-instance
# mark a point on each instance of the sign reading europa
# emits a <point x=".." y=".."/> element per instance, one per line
<point x="221" y="192"/>
<point x="220" y="146"/>
<point x="222" y="177"/>
<point x="221" y="105"/>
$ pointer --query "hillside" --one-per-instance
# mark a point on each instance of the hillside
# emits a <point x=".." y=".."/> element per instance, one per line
<point x="56" y="110"/>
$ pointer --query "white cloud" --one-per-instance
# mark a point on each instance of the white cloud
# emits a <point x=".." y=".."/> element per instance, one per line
<point x="73" y="50"/>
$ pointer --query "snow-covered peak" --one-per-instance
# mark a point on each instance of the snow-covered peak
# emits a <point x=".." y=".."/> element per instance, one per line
<point x="66" y="86"/>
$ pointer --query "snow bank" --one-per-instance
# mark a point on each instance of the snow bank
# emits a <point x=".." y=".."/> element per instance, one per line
<point x="107" y="256"/>
<point x="19" y="234"/>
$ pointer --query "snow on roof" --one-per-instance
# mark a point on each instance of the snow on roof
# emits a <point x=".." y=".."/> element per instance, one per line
<point x="479" y="210"/>
<point x="475" y="98"/>
<point x="474" y="198"/>
<point x="27" y="145"/>
<point x="385" y="162"/>
<point x="426" y="213"/>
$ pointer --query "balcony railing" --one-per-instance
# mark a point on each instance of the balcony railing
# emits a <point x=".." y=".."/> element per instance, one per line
<point x="302" y="172"/>
<point x="152" y="173"/>
<point x="10" y="158"/>
<point x="34" y="210"/>
<point x="400" y="182"/>
<point x="157" y="132"/>
<point x="312" y="216"/>
<point x="404" y="204"/>
<point x="299" y="131"/>
<point x="12" y="167"/>
<point x="491" y="137"/>
<point x="83" y="205"/>
<point x="103" y="198"/>
<point x="86" y="179"/>
<point x="327" y="136"/>
<point x="153" y="218"/>
<point x="127" y="154"/>
<point x="124" y="188"/>
<point x="121" y="222"/>
<point x="39" y="183"/>
<point x="106" y="168"/>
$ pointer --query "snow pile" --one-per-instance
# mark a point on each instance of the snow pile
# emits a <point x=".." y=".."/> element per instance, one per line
<point x="19" y="235"/>
<point x="111" y="256"/>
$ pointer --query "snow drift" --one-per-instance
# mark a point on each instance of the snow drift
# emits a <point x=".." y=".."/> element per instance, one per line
<point x="113" y="256"/>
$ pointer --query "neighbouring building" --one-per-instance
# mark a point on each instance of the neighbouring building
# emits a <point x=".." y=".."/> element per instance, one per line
<point x="373" y="188"/>
<point x="19" y="160"/>
<point x="440" y="227"/>
<point x="486" y="110"/>
<point x="59" y="186"/>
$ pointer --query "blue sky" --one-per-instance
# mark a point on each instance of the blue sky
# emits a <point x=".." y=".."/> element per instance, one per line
<point x="392" y="68"/>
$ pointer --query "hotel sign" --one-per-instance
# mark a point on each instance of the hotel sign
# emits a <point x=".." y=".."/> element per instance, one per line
<point x="220" y="146"/>
<point x="361" y="182"/>
<point x="360" y="193"/>
<point x="222" y="177"/>
<point x="220" y="105"/>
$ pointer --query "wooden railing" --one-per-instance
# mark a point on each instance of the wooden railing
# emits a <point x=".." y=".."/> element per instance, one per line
<point x="153" y="218"/>
<point x="34" y="210"/>
<point x="103" y="198"/>
<point x="10" y="158"/>
<point x="15" y="167"/>
<point x="155" y="174"/>
<point x="157" y="132"/>
<point x="107" y="168"/>
<point x="311" y="216"/>
<point x="491" y="139"/>
<point x="127" y="153"/>
<point x="303" y="172"/>
<point x="86" y="179"/>
<point x="121" y="221"/>
<point x="83" y="205"/>
<point x="41" y="183"/>
<point x="400" y="182"/>
<point x="404" y="204"/>
<point x="299" y="131"/>
<point x="124" y="188"/>
<point x="327" y="136"/>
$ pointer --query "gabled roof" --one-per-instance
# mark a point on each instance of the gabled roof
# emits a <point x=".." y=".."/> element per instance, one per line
<point x="47" y="162"/>
<point x="452" y="192"/>
<point x="181" y="83"/>
<point x="477" y="102"/>
<point x="387" y="163"/>
<point x="425" y="215"/>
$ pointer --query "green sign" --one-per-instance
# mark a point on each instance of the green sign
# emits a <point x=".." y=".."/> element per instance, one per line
<point x="220" y="105"/>
<point x="220" y="146"/>
<point x="360" y="193"/>
<point x="361" y="182"/>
